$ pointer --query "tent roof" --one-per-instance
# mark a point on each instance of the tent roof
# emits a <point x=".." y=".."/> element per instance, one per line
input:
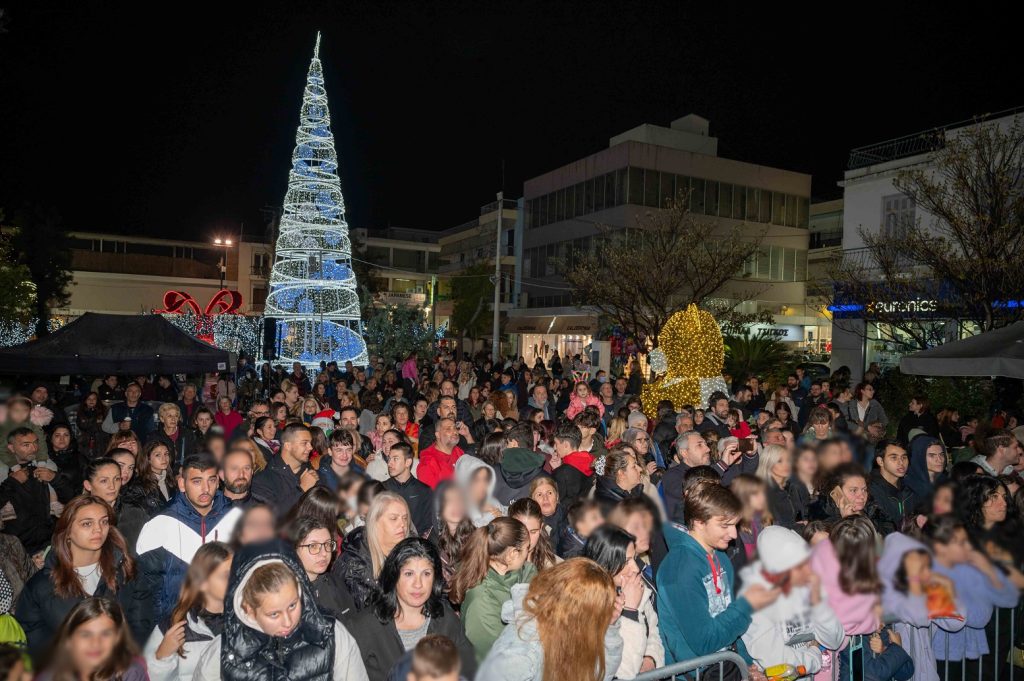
<point x="993" y="353"/>
<point x="109" y="343"/>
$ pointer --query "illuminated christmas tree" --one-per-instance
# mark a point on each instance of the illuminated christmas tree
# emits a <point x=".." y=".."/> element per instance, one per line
<point x="312" y="287"/>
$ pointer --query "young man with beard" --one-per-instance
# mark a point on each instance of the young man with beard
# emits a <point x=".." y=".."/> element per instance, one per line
<point x="168" y="542"/>
<point x="289" y="474"/>
<point x="697" y="609"/>
<point x="236" y="475"/>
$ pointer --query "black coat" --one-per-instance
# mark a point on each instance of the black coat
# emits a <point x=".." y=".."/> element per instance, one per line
<point x="785" y="504"/>
<point x="608" y="495"/>
<point x="130" y="520"/>
<point x="572" y="483"/>
<point x="33" y="523"/>
<point x="41" y="611"/>
<point x="420" y="499"/>
<point x="152" y="502"/>
<point x="332" y="597"/>
<point x="354" y="568"/>
<point x="70" y="465"/>
<point x="897" y="504"/>
<point x="277" y="486"/>
<point x="185" y="445"/>
<point x="556" y="523"/>
<point x="250" y="655"/>
<point x="381" y="647"/>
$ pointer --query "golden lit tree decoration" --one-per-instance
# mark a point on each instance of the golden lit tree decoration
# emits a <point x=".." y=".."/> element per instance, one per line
<point x="689" y="359"/>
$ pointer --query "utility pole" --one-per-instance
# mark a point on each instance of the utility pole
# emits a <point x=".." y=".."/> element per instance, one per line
<point x="496" y="343"/>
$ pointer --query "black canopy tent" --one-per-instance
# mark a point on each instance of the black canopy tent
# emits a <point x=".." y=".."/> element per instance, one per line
<point x="97" y="344"/>
<point x="994" y="353"/>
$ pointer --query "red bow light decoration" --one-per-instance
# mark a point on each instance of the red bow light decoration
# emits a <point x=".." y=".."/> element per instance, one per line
<point x="222" y="302"/>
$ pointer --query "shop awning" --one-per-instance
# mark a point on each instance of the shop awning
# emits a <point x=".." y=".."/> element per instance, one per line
<point x="994" y="353"/>
<point x="583" y="325"/>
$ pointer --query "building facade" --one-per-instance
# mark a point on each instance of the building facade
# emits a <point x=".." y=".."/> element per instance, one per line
<point x="642" y="169"/>
<point x="826" y="245"/>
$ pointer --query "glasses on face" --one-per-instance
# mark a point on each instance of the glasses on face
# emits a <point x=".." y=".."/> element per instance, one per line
<point x="316" y="547"/>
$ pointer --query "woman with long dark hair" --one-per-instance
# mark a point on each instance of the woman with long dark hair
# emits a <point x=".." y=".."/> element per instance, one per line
<point x="89" y="558"/>
<point x="94" y="643"/>
<point x="63" y="450"/>
<point x="153" y="486"/>
<point x="407" y="605"/>
<point x="174" y="647"/>
<point x="92" y="440"/>
<point x="527" y="511"/>
<point x="452" y="528"/>
<point x="614" y="549"/>
<point x="566" y="629"/>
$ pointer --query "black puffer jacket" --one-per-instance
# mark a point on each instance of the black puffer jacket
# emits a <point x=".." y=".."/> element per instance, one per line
<point x="41" y="611"/>
<point x="354" y="568"/>
<point x="247" y="654"/>
<point x="607" y="494"/>
<point x="152" y="502"/>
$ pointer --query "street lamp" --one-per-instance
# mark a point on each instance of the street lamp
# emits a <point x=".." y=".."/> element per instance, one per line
<point x="222" y="243"/>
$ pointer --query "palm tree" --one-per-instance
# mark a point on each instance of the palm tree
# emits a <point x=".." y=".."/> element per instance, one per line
<point x="748" y="355"/>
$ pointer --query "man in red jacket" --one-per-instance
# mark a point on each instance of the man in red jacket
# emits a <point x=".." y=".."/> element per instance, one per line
<point x="437" y="462"/>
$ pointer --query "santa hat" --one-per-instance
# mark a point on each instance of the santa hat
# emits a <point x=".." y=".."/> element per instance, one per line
<point x="324" y="420"/>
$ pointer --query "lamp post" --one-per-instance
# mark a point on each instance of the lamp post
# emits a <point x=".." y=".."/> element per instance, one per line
<point x="222" y="266"/>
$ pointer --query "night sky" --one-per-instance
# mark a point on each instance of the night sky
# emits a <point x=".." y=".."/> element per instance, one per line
<point x="182" y="122"/>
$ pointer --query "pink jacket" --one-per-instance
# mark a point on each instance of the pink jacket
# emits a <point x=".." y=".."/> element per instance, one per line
<point x="576" y="405"/>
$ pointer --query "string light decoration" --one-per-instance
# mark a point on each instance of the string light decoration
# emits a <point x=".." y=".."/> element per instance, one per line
<point x="694" y="354"/>
<point x="234" y="332"/>
<point x="312" y="286"/>
<point x="15" y="333"/>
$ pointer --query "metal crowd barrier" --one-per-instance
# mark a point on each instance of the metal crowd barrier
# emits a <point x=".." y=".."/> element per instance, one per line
<point x="997" y="665"/>
<point x="699" y="665"/>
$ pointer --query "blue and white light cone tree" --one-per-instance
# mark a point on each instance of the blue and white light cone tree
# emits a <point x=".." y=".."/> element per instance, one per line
<point x="313" y="287"/>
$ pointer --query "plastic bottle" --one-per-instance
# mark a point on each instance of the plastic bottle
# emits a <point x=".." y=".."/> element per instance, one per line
<point x="785" y="672"/>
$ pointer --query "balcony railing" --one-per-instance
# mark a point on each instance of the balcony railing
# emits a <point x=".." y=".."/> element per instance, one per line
<point x="829" y="239"/>
<point x="261" y="271"/>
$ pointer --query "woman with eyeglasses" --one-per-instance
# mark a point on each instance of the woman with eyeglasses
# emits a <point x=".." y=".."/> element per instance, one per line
<point x="315" y="545"/>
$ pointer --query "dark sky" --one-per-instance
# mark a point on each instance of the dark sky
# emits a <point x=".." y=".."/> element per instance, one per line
<point x="182" y="122"/>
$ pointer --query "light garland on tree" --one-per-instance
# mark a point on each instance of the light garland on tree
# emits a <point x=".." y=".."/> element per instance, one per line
<point x="15" y="333"/>
<point x="690" y="354"/>
<point x="312" y="286"/>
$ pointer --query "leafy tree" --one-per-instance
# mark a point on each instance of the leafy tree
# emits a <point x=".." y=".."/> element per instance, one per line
<point x="959" y="260"/>
<point x="42" y="246"/>
<point x="639" y="277"/>
<point x="473" y="293"/>
<point x="397" y="330"/>
<point x="753" y="355"/>
<point x="19" y="293"/>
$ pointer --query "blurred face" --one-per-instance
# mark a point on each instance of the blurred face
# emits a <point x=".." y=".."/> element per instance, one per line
<point x="415" y="583"/>
<point x="159" y="459"/>
<point x="547" y="498"/>
<point x="446" y="434"/>
<point x="315" y="551"/>
<point x="105" y="483"/>
<point x="258" y="526"/>
<point x="717" y="532"/>
<point x="224" y="404"/>
<point x="90" y="400"/>
<point x="420" y="409"/>
<point x="393" y="525"/>
<point x="994" y="508"/>
<point x="216" y="585"/>
<point x="278" y="613"/>
<point x="204" y="421"/>
<point x="942" y="502"/>
<point x="454" y="507"/>
<point x="957" y="551"/>
<point x="489" y="411"/>
<point x="291" y="396"/>
<point x="540" y="394"/>
<point x="127" y="466"/>
<point x="807" y="464"/>
<point x="132" y="394"/>
<point x="92" y="644"/>
<point x="935" y="458"/>
<point x="236" y="472"/>
<point x="640" y="525"/>
<point x="61" y="438"/>
<point x="784" y="468"/>
<point x="856" y="490"/>
<point x="89" y="529"/>
<point x="479" y="486"/>
<point x="189" y="393"/>
<point x="199" y="487"/>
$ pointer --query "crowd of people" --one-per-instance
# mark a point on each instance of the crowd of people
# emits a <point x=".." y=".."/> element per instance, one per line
<point x="431" y="519"/>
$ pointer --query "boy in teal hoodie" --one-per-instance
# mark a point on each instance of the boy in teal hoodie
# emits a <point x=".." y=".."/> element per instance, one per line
<point x="697" y="612"/>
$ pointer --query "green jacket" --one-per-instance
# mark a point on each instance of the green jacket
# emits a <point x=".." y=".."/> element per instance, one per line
<point x="5" y="429"/>
<point x="481" y="608"/>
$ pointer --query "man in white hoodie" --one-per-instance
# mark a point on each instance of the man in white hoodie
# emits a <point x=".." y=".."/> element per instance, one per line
<point x="794" y="628"/>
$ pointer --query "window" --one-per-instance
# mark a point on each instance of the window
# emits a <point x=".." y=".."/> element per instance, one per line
<point x="581" y="207"/>
<point x="764" y="263"/>
<point x="697" y="195"/>
<point x="765" y="209"/>
<point x="788" y="264"/>
<point x="753" y="198"/>
<point x="725" y="200"/>
<point x="897" y="215"/>
<point x="259" y="295"/>
<point x="803" y="207"/>
<point x="609" y="190"/>
<point x="739" y="203"/>
<point x="778" y="208"/>
<point x="651" y="188"/>
<point x="711" y="198"/>
<point x="636" y="186"/>
<point x="668" y="189"/>
<point x="598" y="188"/>
<point x="621" y="176"/>
<point x="790" y="211"/>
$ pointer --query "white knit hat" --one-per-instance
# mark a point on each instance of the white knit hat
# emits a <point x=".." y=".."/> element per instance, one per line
<point x="781" y="549"/>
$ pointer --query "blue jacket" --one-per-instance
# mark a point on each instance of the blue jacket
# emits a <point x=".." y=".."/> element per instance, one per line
<point x="697" y="612"/>
<point x="143" y="421"/>
<point x="328" y="478"/>
<point x="169" y="541"/>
